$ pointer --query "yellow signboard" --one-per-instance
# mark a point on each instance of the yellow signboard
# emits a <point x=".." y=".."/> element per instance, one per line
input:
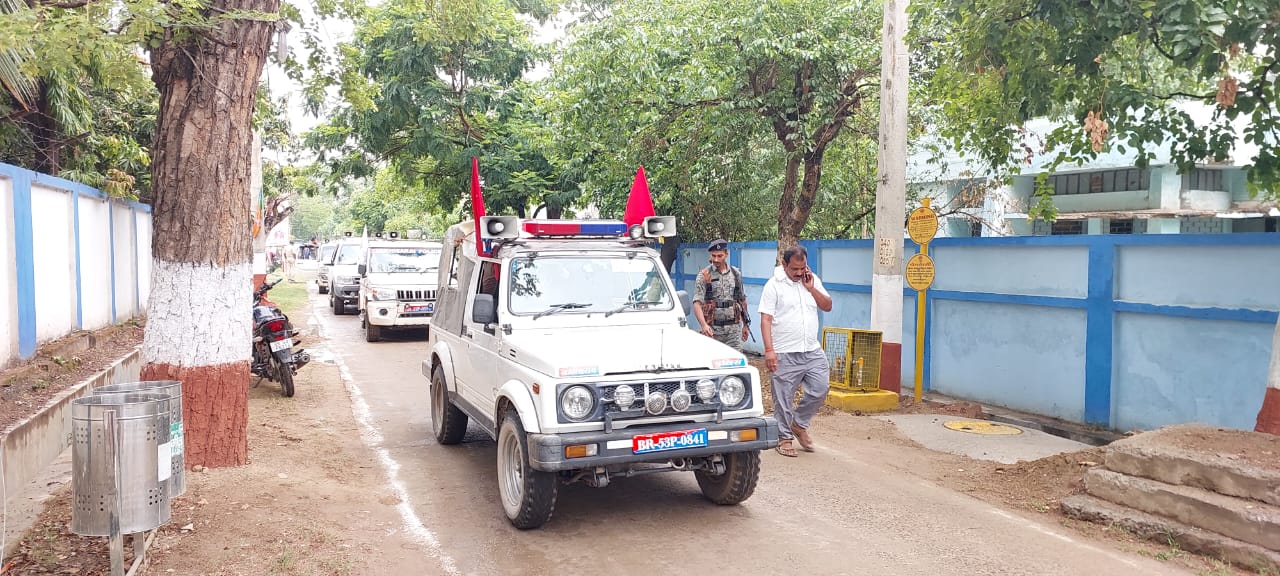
<point x="920" y="272"/>
<point x="922" y="225"/>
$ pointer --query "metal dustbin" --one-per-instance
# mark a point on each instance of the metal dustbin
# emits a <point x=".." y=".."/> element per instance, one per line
<point x="177" y="444"/>
<point x="142" y="426"/>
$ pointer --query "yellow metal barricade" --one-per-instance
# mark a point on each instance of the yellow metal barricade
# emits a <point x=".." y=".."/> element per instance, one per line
<point x="854" y="358"/>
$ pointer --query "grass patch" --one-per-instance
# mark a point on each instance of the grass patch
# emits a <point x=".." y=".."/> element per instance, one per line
<point x="290" y="296"/>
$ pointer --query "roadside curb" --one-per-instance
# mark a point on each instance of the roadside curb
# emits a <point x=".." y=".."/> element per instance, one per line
<point x="29" y="446"/>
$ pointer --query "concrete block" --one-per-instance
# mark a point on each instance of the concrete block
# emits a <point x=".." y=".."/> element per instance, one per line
<point x="1162" y="530"/>
<point x="1160" y="455"/>
<point x="864" y="402"/>
<point x="1247" y="520"/>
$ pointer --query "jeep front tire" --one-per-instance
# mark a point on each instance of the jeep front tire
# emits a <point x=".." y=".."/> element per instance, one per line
<point x="447" y="421"/>
<point x="528" y="496"/>
<point x="741" y="470"/>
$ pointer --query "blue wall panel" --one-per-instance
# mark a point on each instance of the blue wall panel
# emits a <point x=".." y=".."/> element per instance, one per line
<point x="1187" y="370"/>
<point x="847" y="265"/>
<point x="1024" y="357"/>
<point x="1193" y="275"/>
<point x="1032" y="270"/>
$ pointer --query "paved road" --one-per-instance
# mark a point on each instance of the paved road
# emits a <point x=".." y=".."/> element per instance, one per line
<point x="849" y="509"/>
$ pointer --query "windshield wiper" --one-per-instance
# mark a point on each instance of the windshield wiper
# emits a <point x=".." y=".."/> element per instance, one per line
<point x="560" y="308"/>
<point x="634" y="304"/>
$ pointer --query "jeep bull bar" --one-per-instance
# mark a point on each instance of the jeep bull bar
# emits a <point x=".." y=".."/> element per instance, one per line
<point x="549" y="452"/>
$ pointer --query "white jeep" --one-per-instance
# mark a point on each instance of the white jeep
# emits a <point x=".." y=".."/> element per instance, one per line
<point x="568" y="344"/>
<point x="397" y="285"/>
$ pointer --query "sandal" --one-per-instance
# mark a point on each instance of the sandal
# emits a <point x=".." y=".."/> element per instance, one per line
<point x="786" y="449"/>
<point x="802" y="435"/>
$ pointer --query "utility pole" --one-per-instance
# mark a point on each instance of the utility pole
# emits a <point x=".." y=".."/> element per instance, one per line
<point x="891" y="195"/>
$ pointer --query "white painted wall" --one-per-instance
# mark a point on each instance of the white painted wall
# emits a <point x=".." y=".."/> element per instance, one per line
<point x="143" y="255"/>
<point x="52" y="234"/>
<point x="95" y="263"/>
<point x="8" y="276"/>
<point x="123" y="246"/>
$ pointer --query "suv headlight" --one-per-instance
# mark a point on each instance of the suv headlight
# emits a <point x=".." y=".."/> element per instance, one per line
<point x="382" y="294"/>
<point x="732" y="391"/>
<point x="577" y="402"/>
<point x="347" y="280"/>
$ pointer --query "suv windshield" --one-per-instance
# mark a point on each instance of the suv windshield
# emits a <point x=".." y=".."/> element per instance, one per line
<point x="580" y="284"/>
<point x="348" y="254"/>
<point x="407" y="259"/>
<point x="326" y="254"/>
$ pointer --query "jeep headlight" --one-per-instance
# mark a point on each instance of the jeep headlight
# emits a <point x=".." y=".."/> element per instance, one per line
<point x="732" y="391"/>
<point x="382" y="294"/>
<point x="577" y="402"/>
<point x="624" y="396"/>
<point x="347" y="280"/>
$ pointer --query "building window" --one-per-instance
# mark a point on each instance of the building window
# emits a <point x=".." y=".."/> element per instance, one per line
<point x="1066" y="227"/>
<point x="975" y="228"/>
<point x="1121" y="226"/>
<point x="1125" y="180"/>
<point x="1204" y="179"/>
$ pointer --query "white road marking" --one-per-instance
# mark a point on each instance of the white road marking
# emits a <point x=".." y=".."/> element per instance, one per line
<point x="373" y="438"/>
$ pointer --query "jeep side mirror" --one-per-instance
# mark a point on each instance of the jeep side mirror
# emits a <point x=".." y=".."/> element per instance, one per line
<point x="361" y="269"/>
<point x="686" y="303"/>
<point x="484" y="310"/>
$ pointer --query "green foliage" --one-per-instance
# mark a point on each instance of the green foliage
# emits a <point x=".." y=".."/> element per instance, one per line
<point x="1131" y="63"/>
<point x="313" y="218"/>
<point x="730" y="106"/>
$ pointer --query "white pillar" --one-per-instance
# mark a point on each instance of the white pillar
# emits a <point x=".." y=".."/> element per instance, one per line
<point x="891" y="194"/>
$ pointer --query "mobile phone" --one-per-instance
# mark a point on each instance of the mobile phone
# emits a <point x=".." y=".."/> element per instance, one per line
<point x="807" y="276"/>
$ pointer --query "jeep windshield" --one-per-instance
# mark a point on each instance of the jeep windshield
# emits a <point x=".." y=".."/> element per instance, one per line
<point x="403" y="260"/>
<point x="347" y="254"/>
<point x="586" y="284"/>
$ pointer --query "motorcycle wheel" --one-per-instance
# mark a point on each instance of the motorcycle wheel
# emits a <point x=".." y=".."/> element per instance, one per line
<point x="284" y="375"/>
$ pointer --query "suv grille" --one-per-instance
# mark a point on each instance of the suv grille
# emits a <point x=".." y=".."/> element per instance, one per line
<point x="415" y="294"/>
<point x="606" y="396"/>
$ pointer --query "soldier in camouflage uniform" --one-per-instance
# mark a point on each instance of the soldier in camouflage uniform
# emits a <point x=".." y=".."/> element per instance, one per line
<point x="721" y="303"/>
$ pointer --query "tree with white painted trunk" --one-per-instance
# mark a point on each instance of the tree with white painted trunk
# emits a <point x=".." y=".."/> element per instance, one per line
<point x="199" y="324"/>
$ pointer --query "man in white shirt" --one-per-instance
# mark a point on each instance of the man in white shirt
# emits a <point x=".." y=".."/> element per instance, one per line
<point x="789" y="324"/>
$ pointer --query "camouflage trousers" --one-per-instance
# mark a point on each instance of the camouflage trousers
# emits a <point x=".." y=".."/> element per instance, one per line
<point x="730" y="335"/>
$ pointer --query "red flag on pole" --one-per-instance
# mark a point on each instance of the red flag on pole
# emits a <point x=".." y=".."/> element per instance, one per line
<point x="477" y="203"/>
<point x="639" y="203"/>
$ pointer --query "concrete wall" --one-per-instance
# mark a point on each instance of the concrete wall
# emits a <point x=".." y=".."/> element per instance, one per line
<point x="1122" y="331"/>
<point x="75" y="260"/>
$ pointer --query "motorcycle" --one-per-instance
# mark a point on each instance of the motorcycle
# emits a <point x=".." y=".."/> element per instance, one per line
<point x="273" y="342"/>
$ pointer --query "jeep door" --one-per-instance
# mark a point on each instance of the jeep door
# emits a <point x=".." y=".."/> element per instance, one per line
<point x="484" y="375"/>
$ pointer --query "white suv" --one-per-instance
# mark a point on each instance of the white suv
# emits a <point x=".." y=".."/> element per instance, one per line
<point x="397" y="285"/>
<point x="569" y="345"/>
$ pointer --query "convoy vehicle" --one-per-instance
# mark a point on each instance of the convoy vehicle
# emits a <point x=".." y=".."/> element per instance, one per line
<point x="397" y="285"/>
<point x="344" y="277"/>
<point x="324" y="258"/>
<point x="567" y="342"/>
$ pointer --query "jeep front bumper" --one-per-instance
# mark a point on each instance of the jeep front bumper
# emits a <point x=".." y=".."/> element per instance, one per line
<point x="347" y="292"/>
<point x="393" y="313"/>
<point x="546" y="451"/>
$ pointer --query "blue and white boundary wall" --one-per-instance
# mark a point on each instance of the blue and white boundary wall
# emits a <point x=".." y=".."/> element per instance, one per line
<point x="1127" y="332"/>
<point x="75" y="260"/>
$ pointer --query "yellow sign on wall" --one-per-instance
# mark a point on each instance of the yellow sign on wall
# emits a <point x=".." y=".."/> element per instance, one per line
<point x="922" y="225"/>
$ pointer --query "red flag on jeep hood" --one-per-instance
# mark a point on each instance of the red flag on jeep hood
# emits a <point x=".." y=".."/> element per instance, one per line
<point x="477" y="202"/>
<point x="639" y="203"/>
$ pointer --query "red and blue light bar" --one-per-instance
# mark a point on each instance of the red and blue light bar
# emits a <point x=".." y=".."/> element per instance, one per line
<point x="609" y="228"/>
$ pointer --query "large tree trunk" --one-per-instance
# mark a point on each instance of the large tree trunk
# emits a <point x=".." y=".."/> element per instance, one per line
<point x="1269" y="415"/>
<point x="45" y="136"/>
<point x="798" y="198"/>
<point x="199" y="324"/>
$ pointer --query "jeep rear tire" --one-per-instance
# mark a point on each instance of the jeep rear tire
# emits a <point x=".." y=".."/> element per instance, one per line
<point x="741" y="470"/>
<point x="447" y="421"/>
<point x="528" y="496"/>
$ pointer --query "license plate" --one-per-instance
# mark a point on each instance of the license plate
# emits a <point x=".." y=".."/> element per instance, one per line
<point x="429" y="308"/>
<point x="646" y="443"/>
<point x="279" y="345"/>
